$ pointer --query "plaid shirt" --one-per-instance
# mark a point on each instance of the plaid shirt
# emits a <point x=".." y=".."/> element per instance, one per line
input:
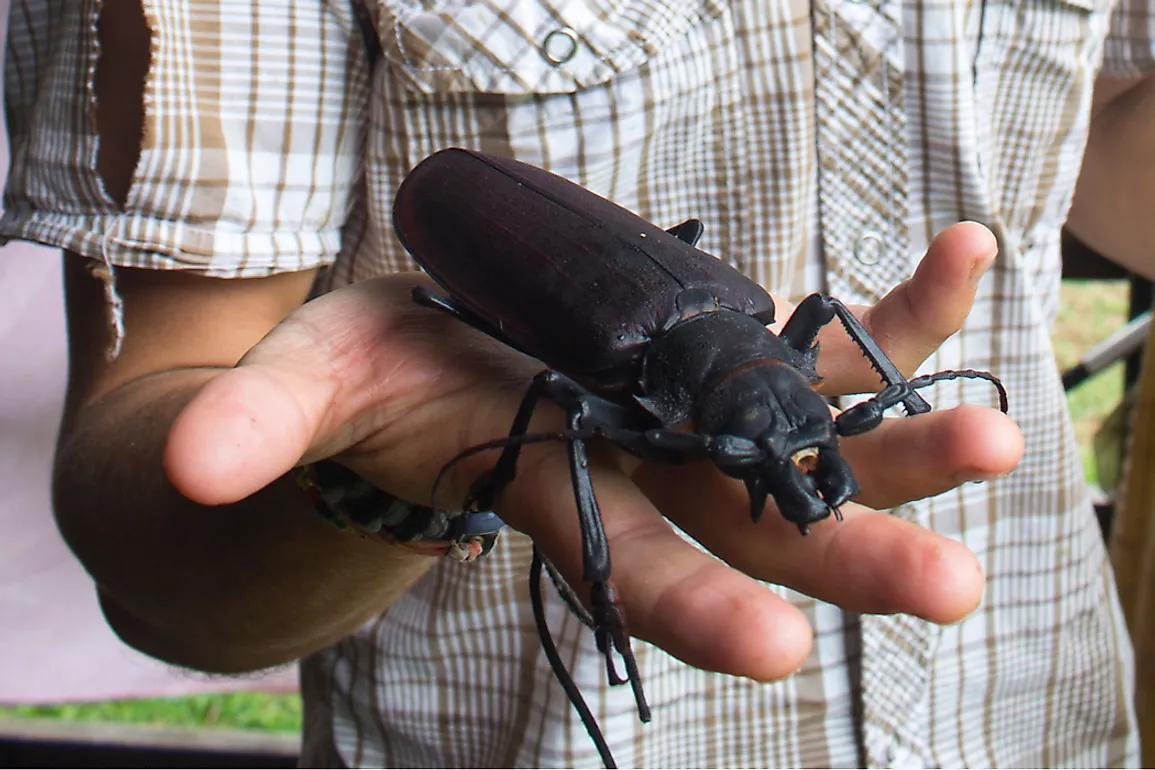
<point x="840" y="134"/>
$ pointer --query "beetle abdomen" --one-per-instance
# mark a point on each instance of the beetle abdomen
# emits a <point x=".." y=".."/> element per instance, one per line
<point x="574" y="279"/>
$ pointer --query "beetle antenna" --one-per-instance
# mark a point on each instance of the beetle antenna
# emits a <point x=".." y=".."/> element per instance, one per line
<point x="558" y="667"/>
<point x="970" y="374"/>
<point x="501" y="443"/>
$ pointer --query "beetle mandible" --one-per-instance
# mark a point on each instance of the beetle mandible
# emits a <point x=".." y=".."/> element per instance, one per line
<point x="643" y="334"/>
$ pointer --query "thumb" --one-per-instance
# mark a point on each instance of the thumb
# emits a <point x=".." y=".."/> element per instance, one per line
<point x="255" y="422"/>
<point x="244" y="429"/>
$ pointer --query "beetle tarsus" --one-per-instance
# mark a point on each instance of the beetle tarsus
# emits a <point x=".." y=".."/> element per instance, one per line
<point x="611" y="636"/>
<point x="558" y="667"/>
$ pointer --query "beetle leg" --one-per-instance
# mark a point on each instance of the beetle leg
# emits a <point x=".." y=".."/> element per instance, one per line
<point x="808" y="318"/>
<point x="584" y="410"/>
<point x="426" y="297"/>
<point x="689" y="231"/>
<point x="801" y="330"/>
<point x="609" y="622"/>
<point x="487" y="488"/>
<point x="814" y="312"/>
<point x="547" y="384"/>
<point x="891" y="376"/>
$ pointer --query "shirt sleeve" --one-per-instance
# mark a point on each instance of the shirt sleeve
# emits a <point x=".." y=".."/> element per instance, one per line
<point x="1130" y="47"/>
<point x="251" y="148"/>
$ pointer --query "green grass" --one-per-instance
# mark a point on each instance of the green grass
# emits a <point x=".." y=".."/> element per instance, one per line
<point x="1090" y="311"/>
<point x="241" y="711"/>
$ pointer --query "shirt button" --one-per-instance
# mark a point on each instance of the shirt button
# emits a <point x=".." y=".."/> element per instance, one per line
<point x="869" y="248"/>
<point x="560" y="46"/>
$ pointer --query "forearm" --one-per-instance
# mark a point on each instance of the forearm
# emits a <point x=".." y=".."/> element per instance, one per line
<point x="226" y="589"/>
<point x="1112" y="207"/>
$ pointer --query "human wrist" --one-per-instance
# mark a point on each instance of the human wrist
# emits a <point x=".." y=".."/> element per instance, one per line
<point x="355" y="505"/>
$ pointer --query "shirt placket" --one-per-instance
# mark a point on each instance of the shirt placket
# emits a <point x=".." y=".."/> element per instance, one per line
<point x="862" y="165"/>
<point x="862" y="195"/>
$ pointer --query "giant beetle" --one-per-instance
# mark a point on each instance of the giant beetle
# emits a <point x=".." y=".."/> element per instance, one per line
<point x="649" y="342"/>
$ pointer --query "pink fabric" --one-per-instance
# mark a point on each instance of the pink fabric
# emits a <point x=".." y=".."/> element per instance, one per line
<point x="54" y="643"/>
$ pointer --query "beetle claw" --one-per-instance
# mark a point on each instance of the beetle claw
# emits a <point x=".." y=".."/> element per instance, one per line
<point x="603" y="637"/>
<point x="612" y="676"/>
<point x="610" y="635"/>
<point x="837" y="513"/>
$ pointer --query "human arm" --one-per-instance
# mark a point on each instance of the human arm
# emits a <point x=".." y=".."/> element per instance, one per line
<point x="1111" y="211"/>
<point x="245" y="577"/>
<point x="415" y="387"/>
<point x="366" y="375"/>
<point x="221" y="589"/>
<point x="1111" y="208"/>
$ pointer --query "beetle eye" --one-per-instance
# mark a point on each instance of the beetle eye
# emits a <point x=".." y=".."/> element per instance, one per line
<point x="757" y="420"/>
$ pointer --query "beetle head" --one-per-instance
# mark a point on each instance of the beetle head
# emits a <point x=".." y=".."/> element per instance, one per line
<point x="789" y="438"/>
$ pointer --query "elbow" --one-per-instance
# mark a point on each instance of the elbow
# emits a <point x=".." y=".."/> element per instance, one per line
<point x="140" y="580"/>
<point x="187" y="650"/>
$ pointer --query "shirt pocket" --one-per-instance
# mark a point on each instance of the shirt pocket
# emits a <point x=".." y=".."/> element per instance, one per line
<point x="523" y="47"/>
<point x="1033" y="82"/>
<point x="1072" y="26"/>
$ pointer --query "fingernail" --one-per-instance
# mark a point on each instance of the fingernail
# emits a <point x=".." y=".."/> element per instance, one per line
<point x="982" y="265"/>
<point x="982" y="478"/>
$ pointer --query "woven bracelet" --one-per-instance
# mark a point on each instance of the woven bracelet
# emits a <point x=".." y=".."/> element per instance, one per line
<point x="355" y="505"/>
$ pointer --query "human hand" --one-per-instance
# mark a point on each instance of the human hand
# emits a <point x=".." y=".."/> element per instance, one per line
<point x="394" y="390"/>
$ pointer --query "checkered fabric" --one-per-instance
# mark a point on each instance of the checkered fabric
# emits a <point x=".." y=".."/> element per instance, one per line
<point x="839" y="135"/>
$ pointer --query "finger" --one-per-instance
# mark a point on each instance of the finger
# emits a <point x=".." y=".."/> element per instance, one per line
<point x="244" y="429"/>
<point x="870" y="562"/>
<point x="873" y="562"/>
<point x="332" y="374"/>
<point x="671" y="593"/>
<point x="914" y="319"/>
<point x="936" y="452"/>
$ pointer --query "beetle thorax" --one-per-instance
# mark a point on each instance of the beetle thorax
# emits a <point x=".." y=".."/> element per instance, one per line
<point x="695" y="356"/>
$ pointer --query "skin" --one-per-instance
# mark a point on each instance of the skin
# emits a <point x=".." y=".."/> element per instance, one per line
<point x="173" y="464"/>
<point x="1112" y="208"/>
<point x="248" y="578"/>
